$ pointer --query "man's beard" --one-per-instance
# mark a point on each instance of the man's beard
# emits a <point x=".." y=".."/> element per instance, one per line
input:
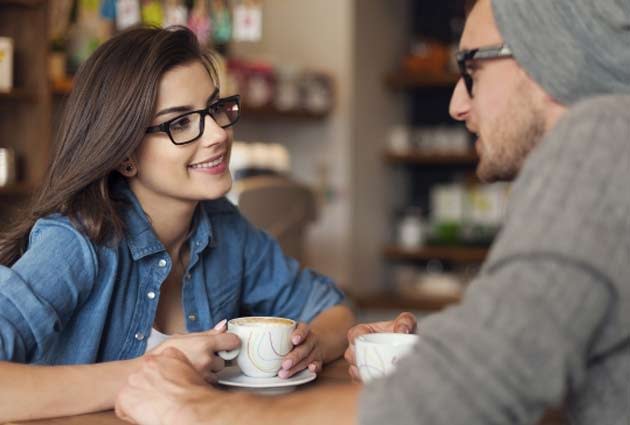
<point x="511" y="138"/>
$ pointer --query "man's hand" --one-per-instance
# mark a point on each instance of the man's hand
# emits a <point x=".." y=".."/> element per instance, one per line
<point x="404" y="323"/>
<point x="165" y="390"/>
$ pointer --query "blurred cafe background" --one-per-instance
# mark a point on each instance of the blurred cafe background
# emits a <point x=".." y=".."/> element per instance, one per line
<point x="345" y="151"/>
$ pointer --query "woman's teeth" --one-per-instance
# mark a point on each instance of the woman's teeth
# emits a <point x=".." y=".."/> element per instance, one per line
<point x="208" y="164"/>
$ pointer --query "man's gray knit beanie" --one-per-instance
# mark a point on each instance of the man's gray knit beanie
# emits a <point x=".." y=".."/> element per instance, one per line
<point x="573" y="48"/>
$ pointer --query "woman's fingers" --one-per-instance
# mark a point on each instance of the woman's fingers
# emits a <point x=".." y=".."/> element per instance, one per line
<point x="316" y="366"/>
<point x="300" y="334"/>
<point x="301" y="365"/>
<point x="298" y="354"/>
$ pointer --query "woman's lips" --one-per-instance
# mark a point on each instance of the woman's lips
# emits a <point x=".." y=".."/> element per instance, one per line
<point x="216" y="166"/>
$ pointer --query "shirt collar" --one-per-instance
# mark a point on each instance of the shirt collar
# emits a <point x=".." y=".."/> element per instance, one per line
<point x="140" y="236"/>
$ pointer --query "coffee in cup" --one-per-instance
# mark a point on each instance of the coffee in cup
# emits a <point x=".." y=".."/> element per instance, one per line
<point x="264" y="343"/>
<point x="378" y="353"/>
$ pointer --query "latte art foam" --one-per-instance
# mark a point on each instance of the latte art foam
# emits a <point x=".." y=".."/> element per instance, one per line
<point x="263" y="321"/>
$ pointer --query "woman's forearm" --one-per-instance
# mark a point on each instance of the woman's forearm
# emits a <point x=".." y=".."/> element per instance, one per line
<point x="331" y="326"/>
<point x="30" y="392"/>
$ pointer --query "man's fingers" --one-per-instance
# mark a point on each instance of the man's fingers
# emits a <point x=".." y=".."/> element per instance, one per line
<point x="354" y="373"/>
<point x="119" y="408"/>
<point x="405" y="323"/>
<point x="174" y="353"/>
<point x="358" y="330"/>
<point x="349" y="355"/>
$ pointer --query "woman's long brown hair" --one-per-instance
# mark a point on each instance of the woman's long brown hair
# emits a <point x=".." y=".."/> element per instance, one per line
<point x="104" y="121"/>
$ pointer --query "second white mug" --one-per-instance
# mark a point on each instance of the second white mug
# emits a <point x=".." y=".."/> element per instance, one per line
<point x="377" y="354"/>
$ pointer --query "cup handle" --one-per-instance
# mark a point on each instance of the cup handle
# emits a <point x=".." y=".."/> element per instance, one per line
<point x="229" y="355"/>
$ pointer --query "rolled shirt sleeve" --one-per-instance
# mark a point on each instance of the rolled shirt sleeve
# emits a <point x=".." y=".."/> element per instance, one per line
<point x="41" y="291"/>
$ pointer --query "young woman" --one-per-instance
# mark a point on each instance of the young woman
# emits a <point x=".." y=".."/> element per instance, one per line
<point x="130" y="243"/>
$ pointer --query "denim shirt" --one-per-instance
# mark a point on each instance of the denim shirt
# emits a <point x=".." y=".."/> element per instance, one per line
<point x="70" y="301"/>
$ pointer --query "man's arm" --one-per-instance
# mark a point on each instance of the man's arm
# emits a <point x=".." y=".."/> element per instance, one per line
<point x="168" y="391"/>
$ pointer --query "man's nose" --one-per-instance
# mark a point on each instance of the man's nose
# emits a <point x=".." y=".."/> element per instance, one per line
<point x="459" y="107"/>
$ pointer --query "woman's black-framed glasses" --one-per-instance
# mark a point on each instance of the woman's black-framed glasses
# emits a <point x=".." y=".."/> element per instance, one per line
<point x="188" y="127"/>
<point x="464" y="57"/>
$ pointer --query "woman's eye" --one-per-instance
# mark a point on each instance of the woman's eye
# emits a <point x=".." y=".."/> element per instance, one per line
<point x="180" y="124"/>
<point x="216" y="108"/>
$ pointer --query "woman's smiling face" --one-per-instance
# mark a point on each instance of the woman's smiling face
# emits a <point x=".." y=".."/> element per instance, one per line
<point x="189" y="172"/>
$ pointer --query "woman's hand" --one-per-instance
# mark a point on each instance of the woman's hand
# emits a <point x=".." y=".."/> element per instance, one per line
<point x="307" y="352"/>
<point x="165" y="390"/>
<point x="201" y="349"/>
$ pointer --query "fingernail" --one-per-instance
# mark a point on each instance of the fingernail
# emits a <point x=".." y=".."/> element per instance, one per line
<point x="286" y="365"/>
<point x="296" y="339"/>
<point x="312" y="367"/>
<point x="220" y="325"/>
<point x="283" y="374"/>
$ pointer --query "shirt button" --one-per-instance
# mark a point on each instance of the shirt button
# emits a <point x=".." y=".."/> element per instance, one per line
<point x="198" y="243"/>
<point x="139" y="336"/>
<point x="192" y="317"/>
<point x="162" y="263"/>
<point x="188" y="276"/>
<point x="151" y="295"/>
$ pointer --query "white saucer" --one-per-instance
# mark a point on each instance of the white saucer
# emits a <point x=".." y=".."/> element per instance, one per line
<point x="233" y="377"/>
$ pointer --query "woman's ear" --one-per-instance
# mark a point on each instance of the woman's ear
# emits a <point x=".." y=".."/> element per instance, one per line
<point x="128" y="168"/>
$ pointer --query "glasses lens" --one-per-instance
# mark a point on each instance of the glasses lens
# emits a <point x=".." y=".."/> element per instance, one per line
<point x="469" y="84"/>
<point x="225" y="112"/>
<point x="185" y="128"/>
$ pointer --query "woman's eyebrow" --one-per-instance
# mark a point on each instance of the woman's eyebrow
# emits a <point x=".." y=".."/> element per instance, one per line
<point x="213" y="96"/>
<point x="186" y="108"/>
<point x="174" y="109"/>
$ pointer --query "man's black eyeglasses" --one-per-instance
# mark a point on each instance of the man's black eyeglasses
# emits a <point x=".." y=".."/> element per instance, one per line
<point x="188" y="127"/>
<point x="464" y="57"/>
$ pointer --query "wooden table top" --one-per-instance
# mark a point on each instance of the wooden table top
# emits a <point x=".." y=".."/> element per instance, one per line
<point x="334" y="373"/>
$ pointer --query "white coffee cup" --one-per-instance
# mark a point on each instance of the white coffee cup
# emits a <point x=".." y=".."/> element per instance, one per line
<point x="264" y="343"/>
<point x="378" y="353"/>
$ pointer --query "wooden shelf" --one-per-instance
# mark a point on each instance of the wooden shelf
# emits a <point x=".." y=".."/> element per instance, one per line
<point x="395" y="301"/>
<point x="16" y="94"/>
<point x="273" y="112"/>
<point x="402" y="80"/>
<point x="22" y="3"/>
<point x="422" y="158"/>
<point x="61" y="87"/>
<point x="16" y="189"/>
<point x="456" y="254"/>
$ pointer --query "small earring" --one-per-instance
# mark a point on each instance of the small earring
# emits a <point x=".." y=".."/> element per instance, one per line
<point x="129" y="168"/>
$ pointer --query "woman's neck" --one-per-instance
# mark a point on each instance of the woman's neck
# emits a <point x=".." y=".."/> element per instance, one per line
<point x="170" y="218"/>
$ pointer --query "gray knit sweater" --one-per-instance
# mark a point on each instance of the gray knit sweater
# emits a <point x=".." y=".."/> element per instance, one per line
<point x="547" y="321"/>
